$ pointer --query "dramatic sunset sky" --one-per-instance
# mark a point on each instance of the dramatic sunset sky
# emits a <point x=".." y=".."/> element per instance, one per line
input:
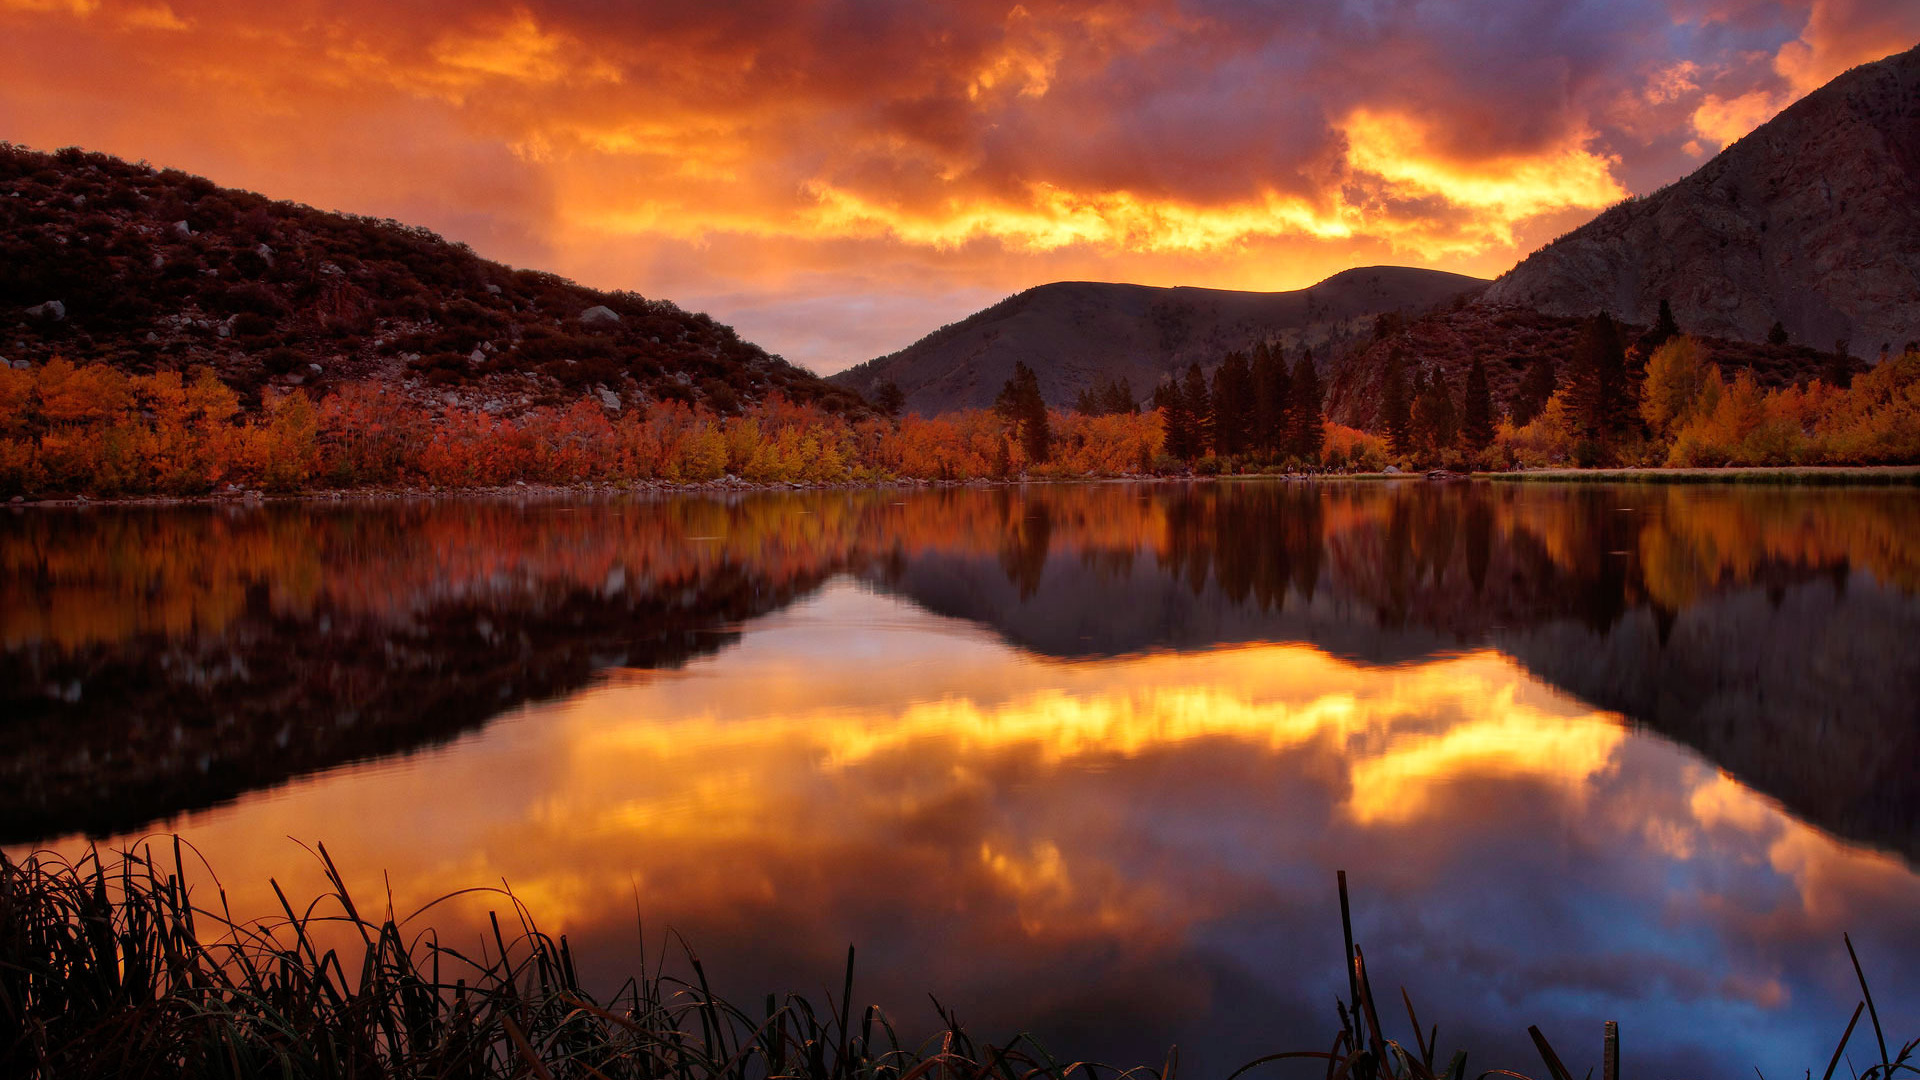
<point x="838" y="178"/>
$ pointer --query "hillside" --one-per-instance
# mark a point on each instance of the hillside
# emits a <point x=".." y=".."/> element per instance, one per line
<point x="147" y="269"/>
<point x="1812" y="220"/>
<point x="1073" y="333"/>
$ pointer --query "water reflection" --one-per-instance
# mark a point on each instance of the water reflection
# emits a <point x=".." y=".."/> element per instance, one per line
<point x="1081" y="758"/>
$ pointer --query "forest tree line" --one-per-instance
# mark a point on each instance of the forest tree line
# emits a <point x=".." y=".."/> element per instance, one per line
<point x="1657" y="400"/>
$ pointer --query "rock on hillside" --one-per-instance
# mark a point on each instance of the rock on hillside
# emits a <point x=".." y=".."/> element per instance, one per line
<point x="1813" y="220"/>
<point x="147" y="269"/>
<point x="1074" y="333"/>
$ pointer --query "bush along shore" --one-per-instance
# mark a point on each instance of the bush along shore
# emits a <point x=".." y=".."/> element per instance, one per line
<point x="91" y="430"/>
<point x="110" y="967"/>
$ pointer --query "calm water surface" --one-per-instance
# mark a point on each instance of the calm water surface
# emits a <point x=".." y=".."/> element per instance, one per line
<point x="1075" y="760"/>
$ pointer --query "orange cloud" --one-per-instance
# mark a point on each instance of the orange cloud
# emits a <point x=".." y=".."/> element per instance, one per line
<point x="769" y="160"/>
<point x="1839" y="34"/>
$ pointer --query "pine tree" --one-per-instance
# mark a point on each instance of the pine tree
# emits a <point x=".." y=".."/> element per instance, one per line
<point x="1394" y="414"/>
<point x="1535" y="390"/>
<point x="1838" y="370"/>
<point x="1476" y="412"/>
<point x="1022" y="407"/>
<point x="1199" y="410"/>
<point x="1232" y="405"/>
<point x="1272" y="394"/>
<point x="1306" y="423"/>
<point x="1663" y="330"/>
<point x="1178" y="419"/>
<point x="1117" y="399"/>
<point x="1777" y="334"/>
<point x="1434" y="424"/>
<point x="890" y="399"/>
<point x="1602" y="407"/>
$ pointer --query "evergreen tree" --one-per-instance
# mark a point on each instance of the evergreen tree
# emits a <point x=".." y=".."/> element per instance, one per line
<point x="890" y="399"/>
<point x="1199" y="410"/>
<point x="1602" y="406"/>
<point x="1535" y="390"/>
<point x="1663" y="330"/>
<point x="1306" y="423"/>
<point x="1177" y="418"/>
<point x="1777" y="334"/>
<point x="1838" y="370"/>
<point x="1232" y="405"/>
<point x="1272" y="394"/>
<point x="1118" y="400"/>
<point x="1476" y="411"/>
<point x="1394" y="408"/>
<point x="1087" y="402"/>
<point x="1434" y="425"/>
<point x="1024" y="410"/>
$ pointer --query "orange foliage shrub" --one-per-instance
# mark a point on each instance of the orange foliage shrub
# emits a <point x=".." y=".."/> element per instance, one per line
<point x="87" y="428"/>
<point x="1351" y="448"/>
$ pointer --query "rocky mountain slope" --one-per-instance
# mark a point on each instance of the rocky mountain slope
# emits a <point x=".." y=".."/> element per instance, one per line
<point x="147" y="269"/>
<point x="1074" y="333"/>
<point x="1812" y="220"/>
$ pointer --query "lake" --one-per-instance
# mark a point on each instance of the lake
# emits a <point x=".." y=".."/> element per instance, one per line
<point x="1080" y="760"/>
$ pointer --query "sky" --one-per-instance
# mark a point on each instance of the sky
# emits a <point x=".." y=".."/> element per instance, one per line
<point x="837" y="178"/>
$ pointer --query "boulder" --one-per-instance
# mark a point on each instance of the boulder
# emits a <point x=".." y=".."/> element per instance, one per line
<point x="493" y="290"/>
<point x="51" y="311"/>
<point x="182" y="229"/>
<point x="599" y="315"/>
<point x="608" y="398"/>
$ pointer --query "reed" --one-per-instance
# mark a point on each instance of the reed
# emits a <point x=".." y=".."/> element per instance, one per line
<point x="110" y="968"/>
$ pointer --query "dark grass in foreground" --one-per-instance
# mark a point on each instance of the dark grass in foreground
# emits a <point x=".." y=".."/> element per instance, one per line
<point x="1801" y="475"/>
<point x="110" y="968"/>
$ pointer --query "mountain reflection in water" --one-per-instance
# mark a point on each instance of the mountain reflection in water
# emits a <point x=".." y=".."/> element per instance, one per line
<point x="1080" y="758"/>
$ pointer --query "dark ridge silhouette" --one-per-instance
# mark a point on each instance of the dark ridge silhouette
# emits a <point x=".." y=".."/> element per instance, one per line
<point x="149" y="269"/>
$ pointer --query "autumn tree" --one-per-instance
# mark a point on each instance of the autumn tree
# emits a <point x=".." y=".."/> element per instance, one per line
<point x="1476" y="411"/>
<point x="1676" y="374"/>
<point x="1306" y="424"/>
<point x="1025" y="412"/>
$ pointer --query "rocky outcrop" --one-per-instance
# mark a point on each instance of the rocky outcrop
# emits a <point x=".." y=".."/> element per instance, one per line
<point x="1812" y="220"/>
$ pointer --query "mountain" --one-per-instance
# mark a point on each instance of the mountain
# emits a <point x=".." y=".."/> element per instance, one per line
<point x="1812" y="220"/>
<point x="1074" y="333"/>
<point x="145" y="269"/>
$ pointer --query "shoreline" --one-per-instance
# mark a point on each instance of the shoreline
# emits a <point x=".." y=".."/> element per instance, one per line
<point x="1784" y="476"/>
<point x="1781" y="475"/>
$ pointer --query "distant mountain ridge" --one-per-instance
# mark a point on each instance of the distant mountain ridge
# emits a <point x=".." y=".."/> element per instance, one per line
<point x="1074" y="333"/>
<point x="1811" y="220"/>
